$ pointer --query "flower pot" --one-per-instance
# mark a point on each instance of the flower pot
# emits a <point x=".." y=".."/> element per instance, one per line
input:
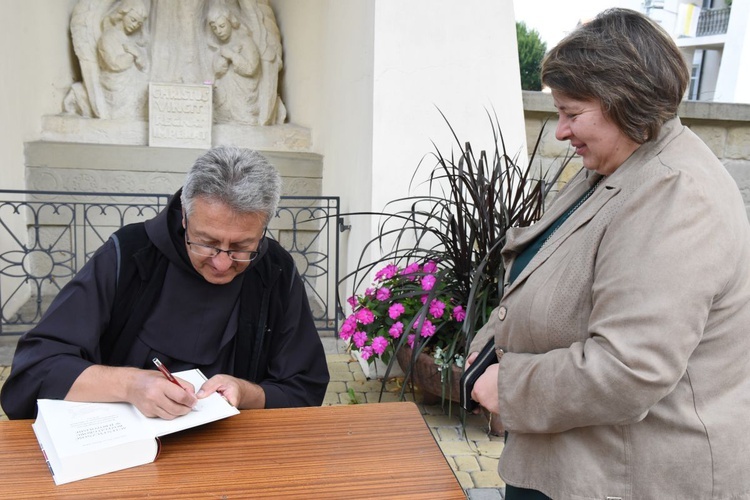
<point x="377" y="369"/>
<point x="426" y="376"/>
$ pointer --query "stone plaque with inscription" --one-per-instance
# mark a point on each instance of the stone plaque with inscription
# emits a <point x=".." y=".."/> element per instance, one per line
<point x="179" y="116"/>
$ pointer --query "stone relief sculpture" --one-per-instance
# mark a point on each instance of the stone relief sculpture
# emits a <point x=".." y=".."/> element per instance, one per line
<point x="178" y="40"/>
<point x="123" y="59"/>
<point x="261" y="22"/>
<point x="121" y="45"/>
<point x="236" y="66"/>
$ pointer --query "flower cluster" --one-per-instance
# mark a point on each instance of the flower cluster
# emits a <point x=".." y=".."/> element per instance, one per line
<point x="412" y="301"/>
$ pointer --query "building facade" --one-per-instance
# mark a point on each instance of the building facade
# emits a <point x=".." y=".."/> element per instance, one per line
<point x="712" y="35"/>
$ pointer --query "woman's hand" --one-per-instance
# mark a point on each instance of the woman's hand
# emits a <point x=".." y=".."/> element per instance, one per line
<point x="485" y="389"/>
<point x="472" y="357"/>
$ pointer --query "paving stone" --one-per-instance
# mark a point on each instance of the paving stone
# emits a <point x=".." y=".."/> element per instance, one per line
<point x="331" y="399"/>
<point x="442" y="420"/>
<point x="338" y="358"/>
<point x="464" y="479"/>
<point x="487" y="479"/>
<point x="478" y="434"/>
<point x="490" y="448"/>
<point x="337" y="387"/>
<point x="488" y="463"/>
<point x="467" y="464"/>
<point x="485" y="494"/>
<point x="454" y="448"/>
<point x="448" y="434"/>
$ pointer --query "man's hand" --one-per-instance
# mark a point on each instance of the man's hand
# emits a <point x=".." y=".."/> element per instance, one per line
<point x="147" y="390"/>
<point x="240" y="393"/>
<point x="155" y="396"/>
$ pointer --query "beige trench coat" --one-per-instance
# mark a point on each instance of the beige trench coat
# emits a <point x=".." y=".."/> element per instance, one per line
<point x="627" y="337"/>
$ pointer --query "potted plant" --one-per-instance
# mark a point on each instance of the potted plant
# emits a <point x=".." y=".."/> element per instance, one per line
<point x="440" y="272"/>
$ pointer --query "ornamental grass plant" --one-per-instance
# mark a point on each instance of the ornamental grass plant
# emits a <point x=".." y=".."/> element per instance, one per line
<point x="440" y="272"/>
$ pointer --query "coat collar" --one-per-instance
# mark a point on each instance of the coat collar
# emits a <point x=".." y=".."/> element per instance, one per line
<point x="622" y="179"/>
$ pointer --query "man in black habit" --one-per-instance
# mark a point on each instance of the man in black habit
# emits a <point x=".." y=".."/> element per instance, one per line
<point x="198" y="286"/>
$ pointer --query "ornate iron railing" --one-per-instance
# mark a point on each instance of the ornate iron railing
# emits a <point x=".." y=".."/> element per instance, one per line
<point x="713" y="21"/>
<point x="47" y="236"/>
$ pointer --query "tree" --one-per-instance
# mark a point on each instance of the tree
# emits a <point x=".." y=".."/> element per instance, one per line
<point x="531" y="50"/>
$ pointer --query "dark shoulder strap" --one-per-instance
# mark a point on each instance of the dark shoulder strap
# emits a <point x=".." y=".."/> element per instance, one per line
<point x="137" y="264"/>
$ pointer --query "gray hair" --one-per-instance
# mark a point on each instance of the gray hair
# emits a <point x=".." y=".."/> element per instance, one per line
<point x="240" y="178"/>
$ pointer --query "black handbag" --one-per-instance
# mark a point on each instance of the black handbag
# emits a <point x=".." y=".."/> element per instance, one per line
<point x="487" y="357"/>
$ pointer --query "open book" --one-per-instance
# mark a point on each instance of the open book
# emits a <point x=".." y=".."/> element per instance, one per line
<point x="81" y="440"/>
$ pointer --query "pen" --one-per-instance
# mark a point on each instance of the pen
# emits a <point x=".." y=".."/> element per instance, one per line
<point x="166" y="372"/>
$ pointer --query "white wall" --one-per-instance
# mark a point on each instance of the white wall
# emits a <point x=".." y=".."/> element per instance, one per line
<point x="36" y="71"/>
<point x="460" y="58"/>
<point x="368" y="76"/>
<point x="733" y="84"/>
<point x="328" y="87"/>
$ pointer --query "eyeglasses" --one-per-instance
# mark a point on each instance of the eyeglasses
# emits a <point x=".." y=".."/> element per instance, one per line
<point x="209" y="251"/>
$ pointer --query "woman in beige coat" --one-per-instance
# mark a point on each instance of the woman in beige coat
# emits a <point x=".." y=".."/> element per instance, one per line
<point x="625" y="322"/>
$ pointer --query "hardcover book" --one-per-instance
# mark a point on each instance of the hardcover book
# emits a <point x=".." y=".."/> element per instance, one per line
<point x="81" y="440"/>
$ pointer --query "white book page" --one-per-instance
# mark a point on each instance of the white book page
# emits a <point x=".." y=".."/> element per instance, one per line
<point x="77" y="428"/>
<point x="209" y="409"/>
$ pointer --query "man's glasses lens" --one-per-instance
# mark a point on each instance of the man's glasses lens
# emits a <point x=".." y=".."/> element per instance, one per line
<point x="208" y="251"/>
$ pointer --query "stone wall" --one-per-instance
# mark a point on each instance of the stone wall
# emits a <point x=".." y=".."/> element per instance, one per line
<point x="724" y="127"/>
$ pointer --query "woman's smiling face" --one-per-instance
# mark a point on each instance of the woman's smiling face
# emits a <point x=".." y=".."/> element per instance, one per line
<point x="600" y="143"/>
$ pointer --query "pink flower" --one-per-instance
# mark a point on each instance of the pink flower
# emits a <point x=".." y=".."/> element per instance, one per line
<point x="379" y="345"/>
<point x="459" y="313"/>
<point x="411" y="269"/>
<point x="437" y="308"/>
<point x="430" y="267"/>
<point x="365" y="316"/>
<point x="428" y="329"/>
<point x="387" y="272"/>
<point x="369" y="292"/>
<point x="410" y="340"/>
<point x="396" y="310"/>
<point x="347" y="328"/>
<point x="366" y="352"/>
<point x="383" y="293"/>
<point x="428" y="282"/>
<point x="396" y="330"/>
<point x="359" y="338"/>
<point x="423" y="299"/>
<point x="353" y="301"/>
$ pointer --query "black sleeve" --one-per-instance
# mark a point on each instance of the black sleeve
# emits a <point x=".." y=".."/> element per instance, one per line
<point x="51" y="356"/>
<point x="297" y="371"/>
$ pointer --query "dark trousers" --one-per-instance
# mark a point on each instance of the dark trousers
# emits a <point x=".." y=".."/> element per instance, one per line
<point x="513" y="493"/>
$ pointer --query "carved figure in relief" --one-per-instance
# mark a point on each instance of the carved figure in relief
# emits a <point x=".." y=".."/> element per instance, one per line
<point x="124" y="60"/>
<point x="258" y="16"/>
<point x="123" y="44"/>
<point x="109" y="41"/>
<point x="236" y="65"/>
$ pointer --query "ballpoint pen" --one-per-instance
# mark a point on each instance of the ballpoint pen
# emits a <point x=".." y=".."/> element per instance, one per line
<point x="166" y="372"/>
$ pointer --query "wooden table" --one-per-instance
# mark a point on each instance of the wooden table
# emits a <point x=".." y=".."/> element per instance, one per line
<point x="382" y="450"/>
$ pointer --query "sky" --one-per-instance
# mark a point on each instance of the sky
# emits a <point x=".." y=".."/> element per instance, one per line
<point x="553" y="19"/>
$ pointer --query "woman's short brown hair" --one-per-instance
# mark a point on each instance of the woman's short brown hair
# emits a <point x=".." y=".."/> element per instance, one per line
<point x="627" y="62"/>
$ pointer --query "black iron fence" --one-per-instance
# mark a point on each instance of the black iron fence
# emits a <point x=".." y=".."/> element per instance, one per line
<point x="47" y="236"/>
<point x="713" y="21"/>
